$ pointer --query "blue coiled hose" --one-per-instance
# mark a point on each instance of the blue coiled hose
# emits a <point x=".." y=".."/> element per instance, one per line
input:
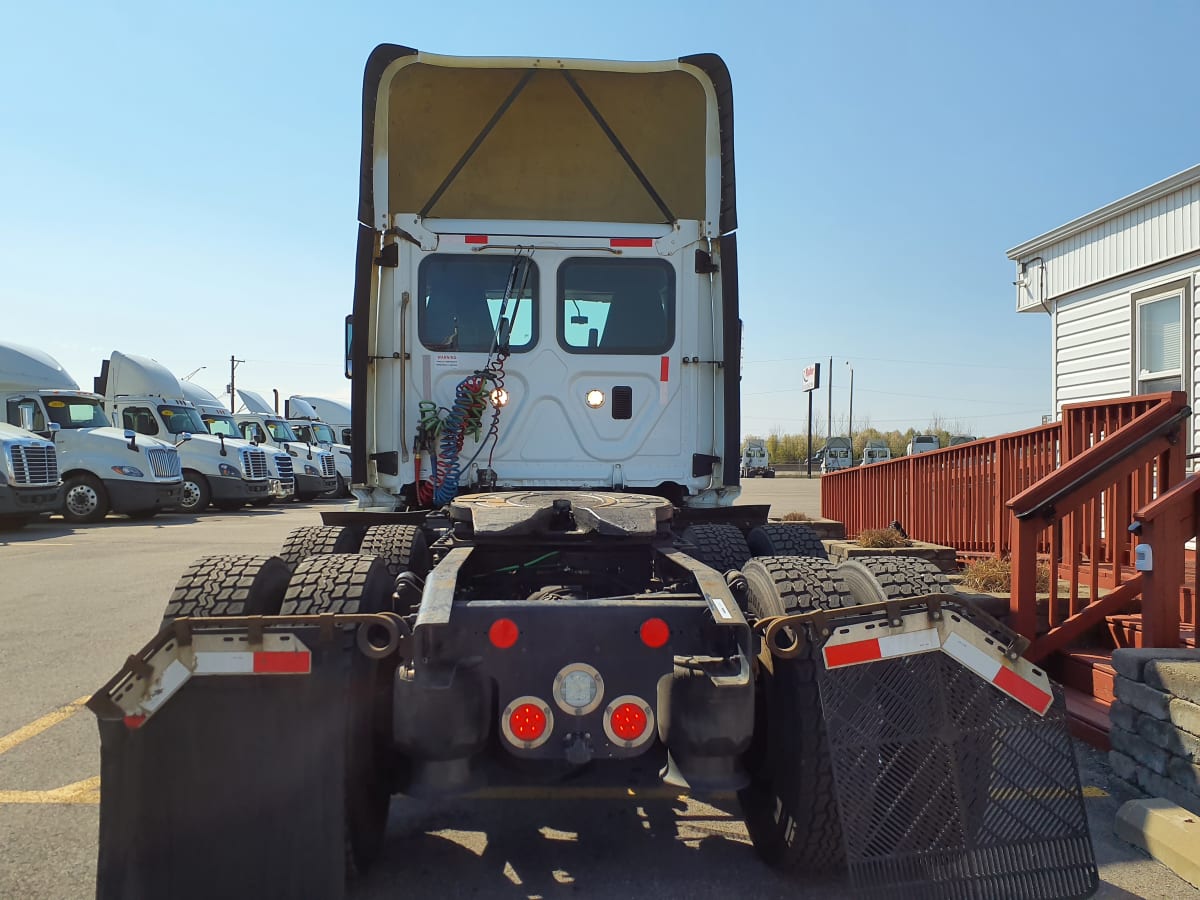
<point x="464" y="416"/>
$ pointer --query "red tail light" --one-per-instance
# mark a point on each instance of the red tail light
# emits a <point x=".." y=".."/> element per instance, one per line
<point x="629" y="721"/>
<point x="503" y="633"/>
<point x="527" y="722"/>
<point x="655" y="632"/>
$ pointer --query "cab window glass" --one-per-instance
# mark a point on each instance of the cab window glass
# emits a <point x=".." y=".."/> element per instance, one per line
<point x="181" y="418"/>
<point x="219" y="425"/>
<point x="14" y="413"/>
<point x="616" y="306"/>
<point x="463" y="298"/>
<point x="252" y="431"/>
<point x="139" y="419"/>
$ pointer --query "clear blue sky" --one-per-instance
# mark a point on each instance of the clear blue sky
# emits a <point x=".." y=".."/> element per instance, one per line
<point x="182" y="184"/>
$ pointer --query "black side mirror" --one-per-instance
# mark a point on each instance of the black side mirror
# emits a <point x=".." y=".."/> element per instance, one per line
<point x="131" y="436"/>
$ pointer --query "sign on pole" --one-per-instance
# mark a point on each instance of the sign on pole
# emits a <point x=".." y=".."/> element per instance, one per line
<point x="812" y="377"/>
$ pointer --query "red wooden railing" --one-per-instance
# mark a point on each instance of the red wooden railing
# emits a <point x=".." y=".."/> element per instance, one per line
<point x="1122" y="456"/>
<point x="1063" y="494"/>
<point x="956" y="497"/>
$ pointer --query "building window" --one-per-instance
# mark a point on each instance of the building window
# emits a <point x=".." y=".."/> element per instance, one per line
<point x="1160" y="344"/>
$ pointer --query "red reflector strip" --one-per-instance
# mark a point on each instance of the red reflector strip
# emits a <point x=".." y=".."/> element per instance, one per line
<point x="664" y="369"/>
<point x="133" y="723"/>
<point x="282" y="663"/>
<point x="476" y="239"/>
<point x="631" y="242"/>
<point x="850" y="654"/>
<point x="1022" y="691"/>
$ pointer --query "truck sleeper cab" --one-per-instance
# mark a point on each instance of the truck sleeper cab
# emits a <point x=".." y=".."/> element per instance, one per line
<point x="29" y="481"/>
<point x="313" y="469"/>
<point x="142" y="395"/>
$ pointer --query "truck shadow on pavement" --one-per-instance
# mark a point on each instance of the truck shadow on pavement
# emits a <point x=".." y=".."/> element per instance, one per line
<point x="576" y="848"/>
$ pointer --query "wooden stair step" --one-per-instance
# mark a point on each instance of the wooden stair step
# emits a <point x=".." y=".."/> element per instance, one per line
<point x="1126" y="630"/>
<point x="1088" y="670"/>
<point x="1087" y="718"/>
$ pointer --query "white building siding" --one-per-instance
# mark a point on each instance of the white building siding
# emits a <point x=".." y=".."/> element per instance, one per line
<point x="1146" y="229"/>
<point x="1093" y="350"/>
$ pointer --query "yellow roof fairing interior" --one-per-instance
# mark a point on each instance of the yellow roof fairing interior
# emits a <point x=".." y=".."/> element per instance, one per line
<point x="542" y="144"/>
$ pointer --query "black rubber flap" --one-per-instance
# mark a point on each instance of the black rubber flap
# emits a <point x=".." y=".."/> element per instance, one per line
<point x="233" y="789"/>
<point x="948" y="788"/>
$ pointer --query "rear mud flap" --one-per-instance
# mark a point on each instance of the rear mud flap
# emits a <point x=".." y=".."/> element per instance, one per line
<point x="233" y="788"/>
<point x="947" y="785"/>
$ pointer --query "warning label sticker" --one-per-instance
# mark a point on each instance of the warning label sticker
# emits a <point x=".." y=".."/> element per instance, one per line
<point x="446" y="360"/>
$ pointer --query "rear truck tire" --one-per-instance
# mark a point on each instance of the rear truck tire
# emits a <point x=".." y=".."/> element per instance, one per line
<point x="721" y="547"/>
<point x="769" y="474"/>
<point x="403" y="548"/>
<point x="84" y="499"/>
<point x="229" y="585"/>
<point x="317" y="540"/>
<point x="873" y="579"/>
<point x="196" y="495"/>
<point x="790" y="805"/>
<point x="352" y="583"/>
<point x="786" y="539"/>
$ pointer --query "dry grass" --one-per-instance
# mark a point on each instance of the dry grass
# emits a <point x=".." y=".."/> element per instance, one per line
<point x="995" y="576"/>
<point x="883" y="537"/>
<point x="797" y="517"/>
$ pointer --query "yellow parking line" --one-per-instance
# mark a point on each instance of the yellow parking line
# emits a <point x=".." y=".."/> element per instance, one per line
<point x="86" y="792"/>
<point x="33" y="729"/>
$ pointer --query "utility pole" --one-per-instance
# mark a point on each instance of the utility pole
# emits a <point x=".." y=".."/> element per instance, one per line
<point x="233" y="364"/>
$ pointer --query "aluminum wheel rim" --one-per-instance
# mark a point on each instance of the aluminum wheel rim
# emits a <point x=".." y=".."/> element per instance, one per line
<point x="82" y="499"/>
<point x="190" y="498"/>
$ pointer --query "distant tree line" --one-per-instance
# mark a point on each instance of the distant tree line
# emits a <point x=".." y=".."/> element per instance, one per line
<point x="793" y="448"/>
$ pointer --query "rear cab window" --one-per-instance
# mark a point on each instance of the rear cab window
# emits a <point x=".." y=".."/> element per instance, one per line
<point x="461" y="300"/>
<point x="616" y="306"/>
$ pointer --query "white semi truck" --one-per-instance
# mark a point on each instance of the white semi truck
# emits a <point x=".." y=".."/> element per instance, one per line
<point x="219" y="422"/>
<point x="333" y="413"/>
<point x="307" y="424"/>
<point x="546" y="587"/>
<point x="29" y="481"/>
<point x="104" y="469"/>
<point x="142" y="394"/>
<point x="755" y="461"/>
<point x="314" y="469"/>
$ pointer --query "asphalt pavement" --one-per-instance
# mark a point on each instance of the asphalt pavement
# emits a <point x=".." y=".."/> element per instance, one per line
<point x="74" y="602"/>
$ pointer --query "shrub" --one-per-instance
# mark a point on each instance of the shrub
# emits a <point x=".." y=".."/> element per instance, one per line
<point x="797" y="517"/>
<point x="883" y="537"/>
<point x="995" y="575"/>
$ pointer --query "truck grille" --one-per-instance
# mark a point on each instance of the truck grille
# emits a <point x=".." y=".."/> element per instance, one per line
<point x="287" y="476"/>
<point x="255" y="464"/>
<point x="164" y="462"/>
<point x="34" y="464"/>
<point x="328" y="466"/>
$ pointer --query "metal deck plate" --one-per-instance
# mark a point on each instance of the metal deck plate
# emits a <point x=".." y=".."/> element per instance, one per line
<point x="947" y="788"/>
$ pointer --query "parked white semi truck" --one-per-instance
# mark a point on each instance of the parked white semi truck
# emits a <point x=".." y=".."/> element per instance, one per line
<point x="219" y="422"/>
<point x="314" y="469"/>
<point x="29" y="481"/>
<point x="755" y="461"/>
<point x="307" y="424"/>
<point x="142" y="394"/>
<point x="333" y="413"/>
<point x="104" y="469"/>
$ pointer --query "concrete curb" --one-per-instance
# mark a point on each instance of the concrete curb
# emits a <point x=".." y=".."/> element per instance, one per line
<point x="1169" y="833"/>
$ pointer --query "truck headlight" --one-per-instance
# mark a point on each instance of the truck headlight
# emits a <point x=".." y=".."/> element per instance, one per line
<point x="229" y="471"/>
<point x="311" y="470"/>
<point x="129" y="471"/>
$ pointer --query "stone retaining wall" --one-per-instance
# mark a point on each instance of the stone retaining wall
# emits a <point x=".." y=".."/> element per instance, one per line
<point x="1155" y="724"/>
